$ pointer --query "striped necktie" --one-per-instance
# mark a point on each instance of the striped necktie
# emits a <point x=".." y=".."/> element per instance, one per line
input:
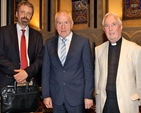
<point x="63" y="51"/>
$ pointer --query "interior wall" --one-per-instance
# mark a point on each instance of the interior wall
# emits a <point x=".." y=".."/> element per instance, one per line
<point x="99" y="13"/>
<point x="116" y="7"/>
<point x="66" y="5"/>
<point x="96" y="34"/>
<point x="132" y="28"/>
<point x="35" y="22"/>
<point x="3" y="12"/>
<point x="132" y="23"/>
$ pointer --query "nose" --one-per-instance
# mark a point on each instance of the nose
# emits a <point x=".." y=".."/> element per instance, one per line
<point x="25" y="14"/>
<point x="63" y="25"/>
<point x="110" y="27"/>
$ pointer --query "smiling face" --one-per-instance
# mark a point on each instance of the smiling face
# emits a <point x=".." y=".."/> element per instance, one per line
<point x="63" y="23"/>
<point x="112" y="28"/>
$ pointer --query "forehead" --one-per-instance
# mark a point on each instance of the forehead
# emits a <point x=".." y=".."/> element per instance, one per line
<point x="110" y="19"/>
<point x="63" y="17"/>
<point x="25" y="7"/>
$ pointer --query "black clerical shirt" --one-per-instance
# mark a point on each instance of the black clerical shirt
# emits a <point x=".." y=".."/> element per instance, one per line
<point x="113" y="59"/>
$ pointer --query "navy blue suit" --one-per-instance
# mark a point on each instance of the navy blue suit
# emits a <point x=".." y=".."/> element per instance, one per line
<point x="9" y="54"/>
<point x="75" y="80"/>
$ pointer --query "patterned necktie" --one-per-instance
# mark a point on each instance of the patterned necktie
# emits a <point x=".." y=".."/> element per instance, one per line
<point x="24" y="63"/>
<point x="63" y="51"/>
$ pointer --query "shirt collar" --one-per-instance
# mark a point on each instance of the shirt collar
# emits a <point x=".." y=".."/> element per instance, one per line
<point x="116" y="43"/>
<point x="69" y="37"/>
<point x="19" y="27"/>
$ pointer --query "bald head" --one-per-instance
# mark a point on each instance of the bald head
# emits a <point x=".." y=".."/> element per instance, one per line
<point x="63" y="13"/>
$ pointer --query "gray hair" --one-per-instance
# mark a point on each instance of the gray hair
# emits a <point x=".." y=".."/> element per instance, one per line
<point x="110" y="13"/>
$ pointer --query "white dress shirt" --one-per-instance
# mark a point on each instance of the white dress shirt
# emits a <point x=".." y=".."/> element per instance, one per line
<point x="68" y="41"/>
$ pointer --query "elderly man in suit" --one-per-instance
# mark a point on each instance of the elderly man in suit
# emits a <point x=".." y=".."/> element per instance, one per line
<point x="12" y="67"/>
<point x="117" y="71"/>
<point x="68" y="80"/>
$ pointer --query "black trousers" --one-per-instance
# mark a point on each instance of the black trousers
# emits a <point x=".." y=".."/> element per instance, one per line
<point x="111" y="105"/>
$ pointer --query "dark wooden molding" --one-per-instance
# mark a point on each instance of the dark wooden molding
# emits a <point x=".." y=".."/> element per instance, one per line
<point x="10" y="12"/>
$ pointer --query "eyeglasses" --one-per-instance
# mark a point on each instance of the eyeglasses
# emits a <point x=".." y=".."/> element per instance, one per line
<point x="62" y="23"/>
<point x="29" y="14"/>
<point x="113" y="25"/>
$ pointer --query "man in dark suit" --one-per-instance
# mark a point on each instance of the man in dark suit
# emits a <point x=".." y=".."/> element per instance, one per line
<point x="67" y="87"/>
<point x="10" y="54"/>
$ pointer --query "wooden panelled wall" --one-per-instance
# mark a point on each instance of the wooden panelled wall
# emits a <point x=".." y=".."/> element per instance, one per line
<point x="97" y="36"/>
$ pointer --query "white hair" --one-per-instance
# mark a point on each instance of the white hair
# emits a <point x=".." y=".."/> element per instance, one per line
<point x="110" y="13"/>
<point x="63" y="11"/>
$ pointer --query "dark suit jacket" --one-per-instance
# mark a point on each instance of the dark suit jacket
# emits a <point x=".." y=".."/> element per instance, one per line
<point x="9" y="54"/>
<point x="74" y="81"/>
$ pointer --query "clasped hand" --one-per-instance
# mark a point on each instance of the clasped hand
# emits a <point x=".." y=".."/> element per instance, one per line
<point x="21" y="76"/>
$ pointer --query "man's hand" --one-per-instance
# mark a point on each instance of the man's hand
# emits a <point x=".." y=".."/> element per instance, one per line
<point x="88" y="103"/>
<point x="48" y="102"/>
<point x="21" y="76"/>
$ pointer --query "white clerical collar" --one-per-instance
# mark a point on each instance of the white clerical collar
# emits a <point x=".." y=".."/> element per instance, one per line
<point x="114" y="44"/>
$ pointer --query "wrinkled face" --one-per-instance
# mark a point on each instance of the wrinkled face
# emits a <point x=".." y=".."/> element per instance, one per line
<point x="24" y="15"/>
<point x="112" y="28"/>
<point x="63" y="24"/>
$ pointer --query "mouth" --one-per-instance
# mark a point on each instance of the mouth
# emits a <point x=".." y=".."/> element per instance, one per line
<point x="111" y="33"/>
<point x="63" y="31"/>
<point x="24" y="19"/>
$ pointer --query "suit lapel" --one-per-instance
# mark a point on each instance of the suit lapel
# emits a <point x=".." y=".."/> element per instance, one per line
<point x="105" y="58"/>
<point x="56" y="47"/>
<point x="71" y="48"/>
<point x="123" y="51"/>
<point x="15" y="42"/>
<point x="30" y="43"/>
<point x="55" y="50"/>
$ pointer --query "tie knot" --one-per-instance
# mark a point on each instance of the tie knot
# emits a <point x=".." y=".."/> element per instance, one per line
<point x="22" y="31"/>
<point x="64" y="40"/>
